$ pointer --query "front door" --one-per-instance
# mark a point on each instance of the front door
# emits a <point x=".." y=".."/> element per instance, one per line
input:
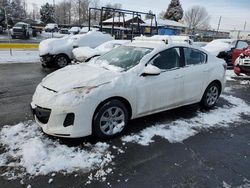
<point x="156" y="93"/>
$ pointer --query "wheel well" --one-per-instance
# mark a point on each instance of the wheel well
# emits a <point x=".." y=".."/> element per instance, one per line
<point x="218" y="83"/>
<point x="62" y="54"/>
<point x="121" y="99"/>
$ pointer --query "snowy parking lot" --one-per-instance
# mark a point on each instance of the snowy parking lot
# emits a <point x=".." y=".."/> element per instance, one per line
<point x="185" y="147"/>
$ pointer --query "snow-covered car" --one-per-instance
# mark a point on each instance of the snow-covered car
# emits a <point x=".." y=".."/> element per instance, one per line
<point x="223" y="48"/>
<point x="242" y="63"/>
<point x="74" y="30"/>
<point x="51" y="27"/>
<point x="64" y="31"/>
<point x="57" y="52"/>
<point x="83" y="54"/>
<point x="131" y="81"/>
<point x="86" y="29"/>
<point x="22" y="30"/>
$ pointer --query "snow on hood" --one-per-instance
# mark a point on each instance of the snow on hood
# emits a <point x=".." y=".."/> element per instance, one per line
<point x="217" y="46"/>
<point x="83" y="53"/>
<point x="53" y="45"/>
<point x="78" y="76"/>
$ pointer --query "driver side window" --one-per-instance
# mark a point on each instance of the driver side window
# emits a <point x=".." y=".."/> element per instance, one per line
<point x="167" y="59"/>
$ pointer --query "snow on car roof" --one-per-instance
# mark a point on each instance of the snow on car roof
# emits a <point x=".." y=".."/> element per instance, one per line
<point x="167" y="39"/>
<point x="23" y="23"/>
<point x="75" y="29"/>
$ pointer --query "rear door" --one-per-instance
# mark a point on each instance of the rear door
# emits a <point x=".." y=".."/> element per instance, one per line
<point x="195" y="72"/>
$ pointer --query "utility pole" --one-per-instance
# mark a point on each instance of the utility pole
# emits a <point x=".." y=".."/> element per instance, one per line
<point x="219" y="25"/>
<point x="79" y="1"/>
<point x="245" y="26"/>
<point x="6" y="20"/>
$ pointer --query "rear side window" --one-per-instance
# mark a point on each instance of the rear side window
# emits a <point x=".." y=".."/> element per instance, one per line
<point x="167" y="59"/>
<point x="194" y="57"/>
<point x="241" y="44"/>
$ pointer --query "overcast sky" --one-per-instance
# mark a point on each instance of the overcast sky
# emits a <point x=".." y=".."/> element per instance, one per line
<point x="234" y="12"/>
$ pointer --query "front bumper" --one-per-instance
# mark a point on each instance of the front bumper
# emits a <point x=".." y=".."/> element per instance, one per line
<point x="55" y="117"/>
<point x="48" y="60"/>
<point x="53" y="124"/>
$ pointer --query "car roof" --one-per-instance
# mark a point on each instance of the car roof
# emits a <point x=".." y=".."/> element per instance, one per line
<point x="159" y="45"/>
<point x="23" y="23"/>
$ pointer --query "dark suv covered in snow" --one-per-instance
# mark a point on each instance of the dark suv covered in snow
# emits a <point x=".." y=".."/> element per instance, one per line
<point x="22" y="30"/>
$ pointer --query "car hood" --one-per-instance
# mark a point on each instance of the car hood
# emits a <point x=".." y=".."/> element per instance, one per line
<point x="76" y="76"/>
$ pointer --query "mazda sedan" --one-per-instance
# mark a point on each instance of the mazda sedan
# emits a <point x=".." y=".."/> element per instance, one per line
<point x="135" y="80"/>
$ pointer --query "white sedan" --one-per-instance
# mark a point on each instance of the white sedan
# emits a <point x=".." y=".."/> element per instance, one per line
<point x="131" y="81"/>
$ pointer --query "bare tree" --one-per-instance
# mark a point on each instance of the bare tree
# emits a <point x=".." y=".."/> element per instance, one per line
<point x="63" y="13"/>
<point x="81" y="8"/>
<point x="197" y="17"/>
<point x="161" y="15"/>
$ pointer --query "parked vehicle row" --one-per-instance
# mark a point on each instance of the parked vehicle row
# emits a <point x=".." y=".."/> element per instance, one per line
<point x="142" y="77"/>
<point x="225" y="48"/>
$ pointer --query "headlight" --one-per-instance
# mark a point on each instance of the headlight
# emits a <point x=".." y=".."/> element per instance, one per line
<point x="84" y="90"/>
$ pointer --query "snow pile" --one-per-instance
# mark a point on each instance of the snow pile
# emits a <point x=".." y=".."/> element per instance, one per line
<point x="219" y="45"/>
<point x="19" y="57"/>
<point x="83" y="53"/>
<point x="179" y="130"/>
<point x="29" y="150"/>
<point x="107" y="46"/>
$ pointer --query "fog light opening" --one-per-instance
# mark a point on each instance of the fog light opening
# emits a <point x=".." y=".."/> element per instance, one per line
<point x="69" y="120"/>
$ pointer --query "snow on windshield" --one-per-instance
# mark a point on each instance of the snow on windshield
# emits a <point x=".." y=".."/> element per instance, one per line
<point x="123" y="58"/>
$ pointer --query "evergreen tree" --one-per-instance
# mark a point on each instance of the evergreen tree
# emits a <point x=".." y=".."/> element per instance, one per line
<point x="174" y="11"/>
<point x="47" y="13"/>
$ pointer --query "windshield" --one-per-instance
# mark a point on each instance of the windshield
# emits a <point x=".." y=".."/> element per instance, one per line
<point x="19" y="25"/>
<point x="123" y="58"/>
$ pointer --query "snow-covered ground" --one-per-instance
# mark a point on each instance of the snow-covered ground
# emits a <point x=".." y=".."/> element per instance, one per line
<point x="19" y="56"/>
<point x="28" y="152"/>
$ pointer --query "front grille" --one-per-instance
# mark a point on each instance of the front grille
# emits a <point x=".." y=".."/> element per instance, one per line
<point x="18" y="30"/>
<point x="42" y="114"/>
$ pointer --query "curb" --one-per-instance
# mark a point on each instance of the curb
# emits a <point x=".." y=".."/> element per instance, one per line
<point x="18" y="46"/>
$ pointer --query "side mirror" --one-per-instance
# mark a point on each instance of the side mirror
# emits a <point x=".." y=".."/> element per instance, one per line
<point x="151" y="70"/>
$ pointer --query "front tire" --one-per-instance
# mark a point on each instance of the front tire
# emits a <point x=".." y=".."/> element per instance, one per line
<point x="62" y="61"/>
<point x="211" y="95"/>
<point x="110" y="119"/>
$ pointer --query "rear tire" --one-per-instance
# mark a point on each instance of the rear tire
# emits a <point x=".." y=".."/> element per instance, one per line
<point x="110" y="119"/>
<point x="210" y="96"/>
<point x="62" y="61"/>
